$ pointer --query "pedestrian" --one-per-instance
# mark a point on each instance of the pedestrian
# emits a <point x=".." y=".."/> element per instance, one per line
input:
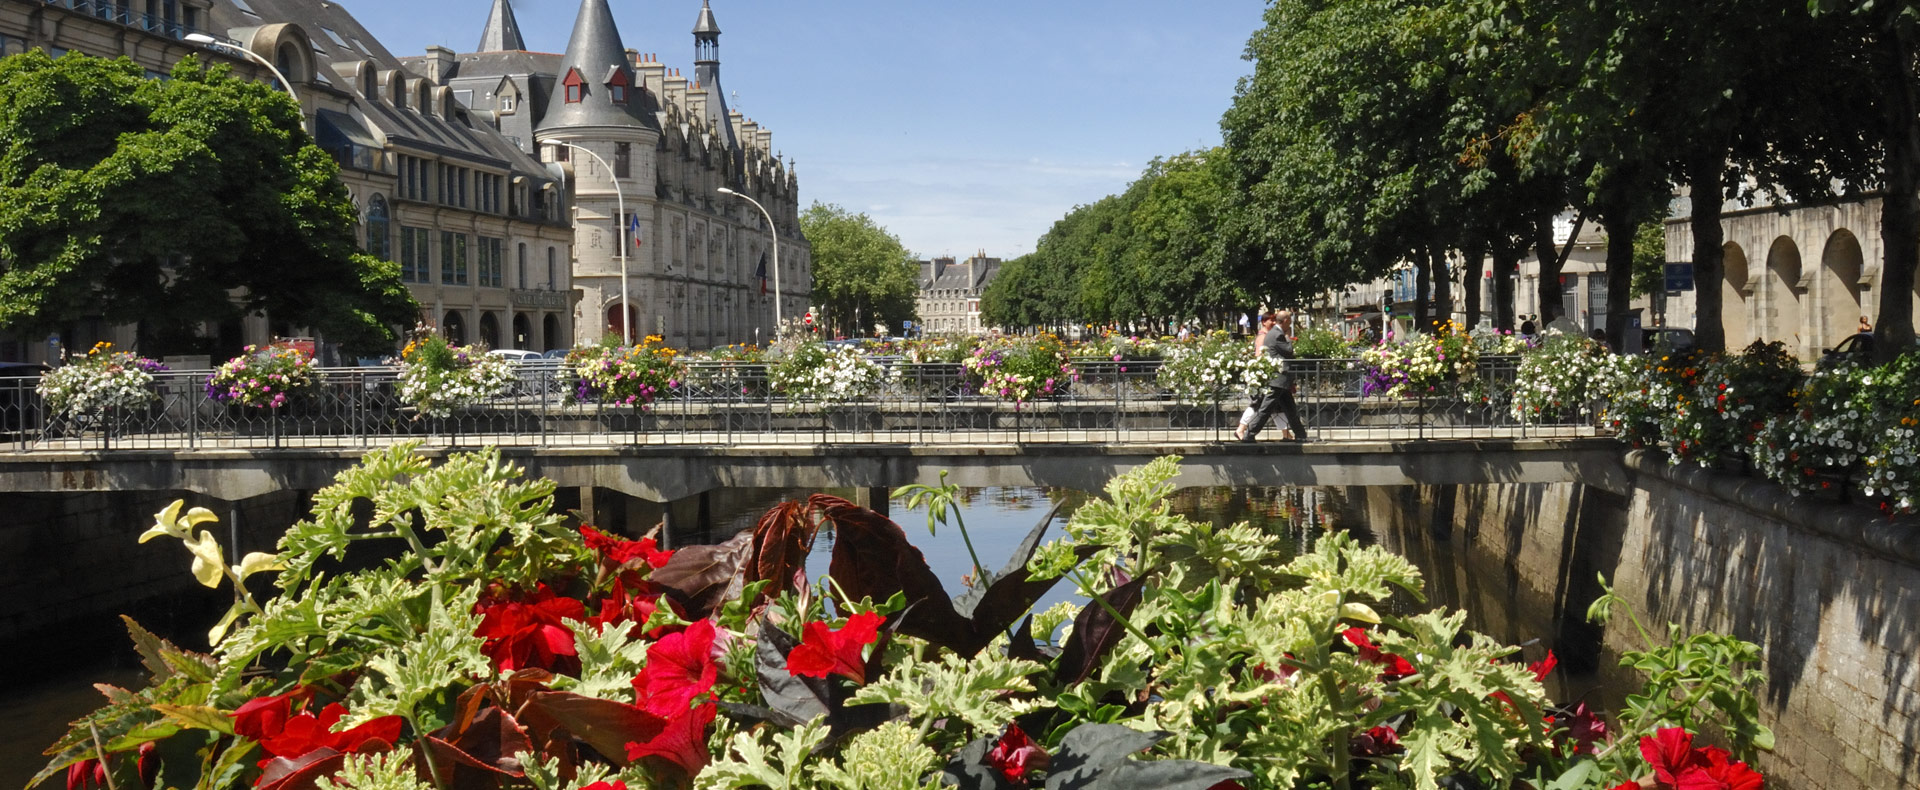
<point x="1184" y="334"/>
<point x="1278" y="399"/>
<point x="1866" y="327"/>
<point x="1527" y="329"/>
<point x="1248" y="414"/>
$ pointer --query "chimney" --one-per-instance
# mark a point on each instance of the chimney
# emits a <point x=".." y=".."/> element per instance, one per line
<point x="653" y="75"/>
<point x="633" y="57"/>
<point x="676" y="91"/>
<point x="440" y="64"/>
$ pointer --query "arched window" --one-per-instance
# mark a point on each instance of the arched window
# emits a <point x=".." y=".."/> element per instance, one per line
<point x="379" y="229"/>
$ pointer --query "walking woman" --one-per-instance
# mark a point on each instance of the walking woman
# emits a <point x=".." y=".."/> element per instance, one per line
<point x="1278" y="399"/>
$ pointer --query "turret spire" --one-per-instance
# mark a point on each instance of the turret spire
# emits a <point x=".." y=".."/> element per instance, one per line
<point x="706" y="63"/>
<point x="503" y="31"/>
<point x="597" y="85"/>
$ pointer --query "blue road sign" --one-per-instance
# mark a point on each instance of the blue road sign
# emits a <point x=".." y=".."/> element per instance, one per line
<point x="1680" y="276"/>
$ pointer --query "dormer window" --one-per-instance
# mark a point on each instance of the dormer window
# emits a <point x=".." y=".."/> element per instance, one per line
<point x="617" y="84"/>
<point x="576" y="86"/>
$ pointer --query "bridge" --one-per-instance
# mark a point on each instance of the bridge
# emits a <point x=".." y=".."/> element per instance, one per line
<point x="733" y="431"/>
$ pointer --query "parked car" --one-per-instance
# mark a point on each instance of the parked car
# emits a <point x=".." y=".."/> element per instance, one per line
<point x="1655" y="340"/>
<point x="1857" y="348"/>
<point x="555" y="353"/>
<point x="515" y="354"/>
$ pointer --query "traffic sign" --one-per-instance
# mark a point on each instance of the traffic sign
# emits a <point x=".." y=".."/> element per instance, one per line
<point x="1680" y="276"/>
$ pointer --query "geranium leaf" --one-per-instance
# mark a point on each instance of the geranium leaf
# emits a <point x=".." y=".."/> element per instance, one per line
<point x="151" y="649"/>
<point x="1095" y="633"/>
<point x="700" y="577"/>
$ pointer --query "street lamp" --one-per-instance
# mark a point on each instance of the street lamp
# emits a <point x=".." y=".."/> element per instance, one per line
<point x="778" y="316"/>
<point x="220" y="44"/>
<point x="620" y="199"/>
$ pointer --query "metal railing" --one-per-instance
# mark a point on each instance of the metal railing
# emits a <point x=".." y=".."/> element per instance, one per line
<point x="729" y="404"/>
<point x="124" y="14"/>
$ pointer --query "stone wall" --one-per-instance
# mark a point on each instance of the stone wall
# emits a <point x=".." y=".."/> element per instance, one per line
<point x="70" y="564"/>
<point x="1830" y="592"/>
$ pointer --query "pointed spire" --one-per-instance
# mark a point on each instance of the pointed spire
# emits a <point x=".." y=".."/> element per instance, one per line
<point x="707" y="24"/>
<point x="596" y="53"/>
<point x="706" y="59"/>
<point x="503" y="31"/>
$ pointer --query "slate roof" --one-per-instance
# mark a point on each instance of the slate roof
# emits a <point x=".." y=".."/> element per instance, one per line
<point x="593" y="49"/>
<point x="347" y="41"/>
<point x="503" y="31"/>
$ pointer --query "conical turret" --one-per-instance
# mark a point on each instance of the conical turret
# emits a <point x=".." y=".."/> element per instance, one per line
<point x="503" y="31"/>
<point x="596" y="81"/>
<point x="706" y="69"/>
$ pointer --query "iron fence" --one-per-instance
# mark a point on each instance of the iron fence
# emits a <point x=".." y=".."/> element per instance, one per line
<point x="734" y="404"/>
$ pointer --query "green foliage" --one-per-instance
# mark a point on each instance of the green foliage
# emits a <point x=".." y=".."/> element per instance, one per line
<point x="1154" y="252"/>
<point x="888" y="757"/>
<point x="972" y="691"/>
<point x="157" y="201"/>
<point x="858" y="265"/>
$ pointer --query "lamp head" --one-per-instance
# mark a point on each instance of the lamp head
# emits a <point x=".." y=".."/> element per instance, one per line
<point x="202" y="39"/>
<point x="725" y="191"/>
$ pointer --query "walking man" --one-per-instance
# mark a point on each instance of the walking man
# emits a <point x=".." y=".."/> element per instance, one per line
<point x="1279" y="395"/>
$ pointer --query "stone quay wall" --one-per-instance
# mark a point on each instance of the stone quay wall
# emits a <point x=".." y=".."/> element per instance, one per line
<point x="1829" y="591"/>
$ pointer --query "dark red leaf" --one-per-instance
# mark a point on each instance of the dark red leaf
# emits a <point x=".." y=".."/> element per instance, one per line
<point x="782" y="539"/>
<point x="872" y="558"/>
<point x="701" y="577"/>
<point x="300" y="773"/>
<point x="1095" y="632"/>
<point x="605" y="725"/>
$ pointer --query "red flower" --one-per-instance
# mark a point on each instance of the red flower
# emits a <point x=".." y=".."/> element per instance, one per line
<point x="529" y="634"/>
<point x="823" y="651"/>
<point x="637" y="607"/>
<point x="1679" y="766"/>
<point x="1586" y="729"/>
<point x="1395" y="667"/>
<point x="679" y="669"/>
<point x="86" y="773"/>
<point x="621" y="551"/>
<point x="1015" y="754"/>
<point x="1376" y="742"/>
<point x="307" y="733"/>
<point x="683" y="742"/>
<point x="613" y="785"/>
<point x="1543" y="667"/>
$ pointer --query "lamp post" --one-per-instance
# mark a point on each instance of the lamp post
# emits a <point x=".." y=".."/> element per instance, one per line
<point x="215" y="43"/>
<point x="778" y="317"/>
<point x="620" y="200"/>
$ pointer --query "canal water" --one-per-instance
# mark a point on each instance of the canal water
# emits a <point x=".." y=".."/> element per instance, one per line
<point x="39" y="704"/>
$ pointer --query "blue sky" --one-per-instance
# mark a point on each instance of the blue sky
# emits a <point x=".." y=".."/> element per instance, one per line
<point x="958" y="126"/>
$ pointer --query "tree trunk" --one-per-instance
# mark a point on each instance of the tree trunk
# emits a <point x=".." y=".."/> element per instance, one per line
<point x="1620" y="227"/>
<point x="1900" y="207"/>
<point x="1704" y="174"/>
<point x="1422" y="283"/>
<point x="1442" y="277"/>
<point x="1471" y="281"/>
<point x="1550" y="263"/>
<point x="1506" y="260"/>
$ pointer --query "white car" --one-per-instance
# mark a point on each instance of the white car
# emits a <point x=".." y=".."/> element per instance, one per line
<point x="515" y="354"/>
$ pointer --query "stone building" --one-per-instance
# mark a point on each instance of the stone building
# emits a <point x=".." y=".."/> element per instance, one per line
<point x="949" y="301"/>
<point x="647" y="150"/>
<point x="478" y="226"/>
<point x="1801" y="274"/>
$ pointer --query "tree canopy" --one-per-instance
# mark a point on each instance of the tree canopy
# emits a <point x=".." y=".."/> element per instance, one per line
<point x="1151" y="254"/>
<point x="174" y="203"/>
<point x="859" y="269"/>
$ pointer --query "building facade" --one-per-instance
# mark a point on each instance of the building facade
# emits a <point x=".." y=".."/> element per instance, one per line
<point x="949" y="301"/>
<point x="646" y="151"/>
<point x="479" y="227"/>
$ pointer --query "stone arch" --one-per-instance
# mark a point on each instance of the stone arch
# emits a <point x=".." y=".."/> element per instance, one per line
<point x="454" y="326"/>
<point x="523" y="331"/>
<point x="1839" y="294"/>
<point x="1735" y="286"/>
<point x="550" y="332"/>
<point x="615" y="327"/>
<point x="490" y="330"/>
<point x="1781" y="316"/>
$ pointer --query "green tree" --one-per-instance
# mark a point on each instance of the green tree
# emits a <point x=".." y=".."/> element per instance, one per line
<point x="859" y="269"/>
<point x="174" y="203"/>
